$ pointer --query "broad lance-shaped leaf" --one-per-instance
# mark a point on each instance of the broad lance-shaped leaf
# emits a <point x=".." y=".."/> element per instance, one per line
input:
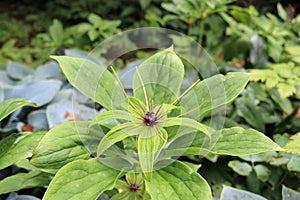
<point x="7" y="143"/>
<point x="82" y="179"/>
<point x="187" y="122"/>
<point x="22" y="149"/>
<point x="161" y="75"/>
<point x="10" y="105"/>
<point x="249" y="111"/>
<point x="93" y="80"/>
<point x="238" y="142"/>
<point x="234" y="141"/>
<point x="177" y="181"/>
<point x="59" y="146"/>
<point x="150" y="144"/>
<point x="213" y="93"/>
<point x="24" y="180"/>
<point x="111" y="115"/>
<point x="118" y="133"/>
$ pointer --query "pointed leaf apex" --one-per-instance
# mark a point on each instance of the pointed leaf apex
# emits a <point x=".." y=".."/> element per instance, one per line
<point x="171" y="48"/>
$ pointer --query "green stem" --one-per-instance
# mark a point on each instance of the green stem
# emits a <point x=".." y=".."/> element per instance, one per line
<point x="189" y="30"/>
<point x="201" y="33"/>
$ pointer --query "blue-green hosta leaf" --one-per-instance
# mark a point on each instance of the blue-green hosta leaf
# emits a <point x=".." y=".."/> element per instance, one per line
<point x="289" y="194"/>
<point x="14" y="196"/>
<point x="293" y="144"/>
<point x="24" y="180"/>
<point x="48" y="70"/>
<point x="229" y="193"/>
<point x="38" y="120"/>
<point x="22" y="149"/>
<point x="4" y="79"/>
<point x="18" y="71"/>
<point x="82" y="54"/>
<point x="10" y="105"/>
<point x="177" y="181"/>
<point x="67" y="110"/>
<point x="39" y="91"/>
<point x="161" y="75"/>
<point x="61" y="145"/>
<point x="213" y="93"/>
<point x="93" y="80"/>
<point x="126" y="75"/>
<point x="150" y="144"/>
<point x="82" y="179"/>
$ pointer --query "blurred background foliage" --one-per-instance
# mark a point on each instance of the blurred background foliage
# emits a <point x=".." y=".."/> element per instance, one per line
<point x="260" y="37"/>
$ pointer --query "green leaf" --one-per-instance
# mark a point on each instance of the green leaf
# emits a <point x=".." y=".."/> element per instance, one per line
<point x="22" y="149"/>
<point x="112" y="115"/>
<point x="81" y="179"/>
<point x="281" y="12"/>
<point x="229" y="193"/>
<point x="186" y="122"/>
<point x="286" y="90"/>
<point x="177" y="181"/>
<point x="118" y="133"/>
<point x="212" y="93"/>
<point x="289" y="194"/>
<point x="144" y="3"/>
<point x="234" y="141"/>
<point x="161" y="75"/>
<point x="293" y="144"/>
<point x="237" y="141"/>
<point x="60" y="145"/>
<point x="262" y="172"/>
<point x="150" y="144"/>
<point x="56" y="32"/>
<point x="94" y="81"/>
<point x="24" y="180"/>
<point x="249" y="111"/>
<point x="293" y="164"/>
<point x="241" y="168"/>
<point x="7" y="143"/>
<point x="274" y="48"/>
<point x="10" y="105"/>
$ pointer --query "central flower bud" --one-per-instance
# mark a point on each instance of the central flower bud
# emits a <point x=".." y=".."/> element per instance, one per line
<point x="150" y="119"/>
<point x="134" y="187"/>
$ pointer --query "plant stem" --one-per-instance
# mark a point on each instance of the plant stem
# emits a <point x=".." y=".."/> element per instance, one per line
<point x="200" y="39"/>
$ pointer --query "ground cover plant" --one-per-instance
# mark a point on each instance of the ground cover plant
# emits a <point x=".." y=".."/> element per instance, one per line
<point x="157" y="114"/>
<point x="254" y="44"/>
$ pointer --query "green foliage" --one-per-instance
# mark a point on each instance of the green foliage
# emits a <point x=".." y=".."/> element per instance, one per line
<point x="243" y="37"/>
<point x="285" y="77"/>
<point x="143" y="125"/>
<point x="293" y="144"/>
<point x="193" y="12"/>
<point x="82" y="179"/>
<point x="10" y="105"/>
<point x="275" y="33"/>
